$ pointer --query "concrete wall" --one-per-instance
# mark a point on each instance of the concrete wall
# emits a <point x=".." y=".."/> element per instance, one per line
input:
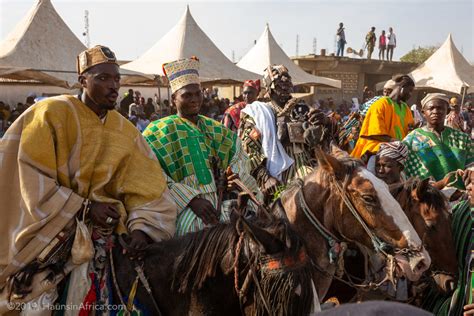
<point x="354" y="74"/>
<point x="12" y="94"/>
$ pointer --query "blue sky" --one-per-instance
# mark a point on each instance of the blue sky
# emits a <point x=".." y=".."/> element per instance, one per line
<point x="131" y="27"/>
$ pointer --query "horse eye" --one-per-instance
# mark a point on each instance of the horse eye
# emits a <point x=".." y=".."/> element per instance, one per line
<point x="369" y="198"/>
<point x="430" y="225"/>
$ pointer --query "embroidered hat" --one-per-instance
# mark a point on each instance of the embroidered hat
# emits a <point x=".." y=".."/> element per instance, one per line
<point x="94" y="56"/>
<point x="182" y="72"/>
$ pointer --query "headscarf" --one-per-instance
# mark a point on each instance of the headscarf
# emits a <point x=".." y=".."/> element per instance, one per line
<point x="395" y="150"/>
<point x="390" y="84"/>
<point x="253" y="84"/>
<point x="434" y="96"/>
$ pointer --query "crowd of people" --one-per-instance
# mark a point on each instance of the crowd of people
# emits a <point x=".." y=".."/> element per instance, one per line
<point x="387" y="42"/>
<point x="155" y="170"/>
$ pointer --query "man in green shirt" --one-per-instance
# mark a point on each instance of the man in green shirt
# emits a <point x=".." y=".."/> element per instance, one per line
<point x="436" y="150"/>
<point x="192" y="149"/>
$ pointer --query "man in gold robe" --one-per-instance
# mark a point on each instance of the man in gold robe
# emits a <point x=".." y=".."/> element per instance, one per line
<point x="70" y="158"/>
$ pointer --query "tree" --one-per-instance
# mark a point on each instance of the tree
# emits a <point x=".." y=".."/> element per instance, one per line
<point x="419" y="55"/>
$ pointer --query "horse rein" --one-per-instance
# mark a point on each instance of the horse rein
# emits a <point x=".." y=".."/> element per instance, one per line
<point x="140" y="277"/>
<point x="379" y="245"/>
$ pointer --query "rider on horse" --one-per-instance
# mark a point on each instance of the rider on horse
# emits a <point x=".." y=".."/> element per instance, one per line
<point x="275" y="134"/>
<point x="195" y="151"/>
<point x="72" y="162"/>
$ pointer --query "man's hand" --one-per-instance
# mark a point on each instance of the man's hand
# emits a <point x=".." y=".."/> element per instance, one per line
<point x="204" y="210"/>
<point x="441" y="184"/>
<point x="291" y="102"/>
<point x="467" y="177"/>
<point x="468" y="309"/>
<point x="231" y="177"/>
<point x="138" y="242"/>
<point x="317" y="117"/>
<point x="104" y="214"/>
<point x="270" y="184"/>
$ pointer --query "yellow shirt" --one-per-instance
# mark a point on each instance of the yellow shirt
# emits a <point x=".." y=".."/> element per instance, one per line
<point x="385" y="117"/>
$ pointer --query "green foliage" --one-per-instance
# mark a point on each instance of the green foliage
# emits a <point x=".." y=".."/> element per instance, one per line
<point x="279" y="190"/>
<point x="419" y="55"/>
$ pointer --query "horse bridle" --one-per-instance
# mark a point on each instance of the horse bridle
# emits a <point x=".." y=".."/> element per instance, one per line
<point x="332" y="240"/>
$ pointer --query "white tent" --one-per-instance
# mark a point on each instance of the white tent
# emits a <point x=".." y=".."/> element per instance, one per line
<point x="446" y="69"/>
<point x="43" y="48"/>
<point x="184" y="40"/>
<point x="267" y="52"/>
<point x="43" y="44"/>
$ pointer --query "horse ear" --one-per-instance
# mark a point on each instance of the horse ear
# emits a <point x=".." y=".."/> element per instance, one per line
<point x="421" y="188"/>
<point x="338" y="152"/>
<point x="284" y="235"/>
<point x="266" y="241"/>
<point x="330" y="164"/>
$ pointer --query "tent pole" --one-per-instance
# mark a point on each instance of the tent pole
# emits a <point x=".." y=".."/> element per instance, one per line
<point x="159" y="96"/>
<point x="463" y="95"/>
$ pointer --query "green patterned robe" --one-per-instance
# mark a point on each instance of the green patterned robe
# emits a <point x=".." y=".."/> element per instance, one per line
<point x="185" y="151"/>
<point x="433" y="155"/>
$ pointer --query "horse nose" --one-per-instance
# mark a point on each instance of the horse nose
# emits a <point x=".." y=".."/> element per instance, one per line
<point x="449" y="284"/>
<point x="420" y="263"/>
<point x="446" y="283"/>
<point x="414" y="266"/>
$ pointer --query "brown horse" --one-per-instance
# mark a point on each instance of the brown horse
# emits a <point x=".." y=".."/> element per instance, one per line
<point x="427" y="210"/>
<point x="257" y="268"/>
<point x="351" y="205"/>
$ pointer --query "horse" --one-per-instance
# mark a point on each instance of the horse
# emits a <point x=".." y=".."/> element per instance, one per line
<point x="342" y="201"/>
<point x="249" y="267"/>
<point x="427" y="209"/>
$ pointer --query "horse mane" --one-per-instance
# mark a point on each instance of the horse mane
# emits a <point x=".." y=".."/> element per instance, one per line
<point x="207" y="250"/>
<point x="203" y="252"/>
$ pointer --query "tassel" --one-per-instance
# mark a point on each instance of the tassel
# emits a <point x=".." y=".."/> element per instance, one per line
<point x="131" y="295"/>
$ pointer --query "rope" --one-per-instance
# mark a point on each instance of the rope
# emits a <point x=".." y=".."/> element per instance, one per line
<point x="379" y="245"/>
<point x="238" y="248"/>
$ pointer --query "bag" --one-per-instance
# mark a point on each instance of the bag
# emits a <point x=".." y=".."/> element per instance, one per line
<point x="79" y="285"/>
<point x="82" y="249"/>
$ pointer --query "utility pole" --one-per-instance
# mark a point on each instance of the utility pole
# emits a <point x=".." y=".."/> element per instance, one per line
<point x="86" y="29"/>
<point x="233" y="56"/>
<point x="315" y="45"/>
<point x="297" y="44"/>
